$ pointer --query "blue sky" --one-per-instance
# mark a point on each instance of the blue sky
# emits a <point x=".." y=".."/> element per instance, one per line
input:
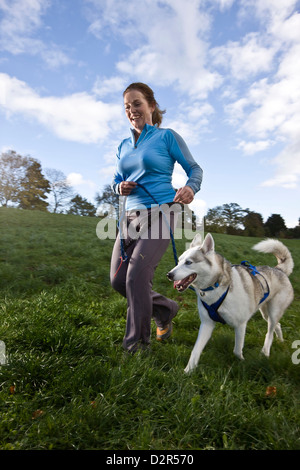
<point x="226" y="71"/>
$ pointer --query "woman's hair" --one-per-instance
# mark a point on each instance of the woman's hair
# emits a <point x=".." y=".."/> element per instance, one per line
<point x="157" y="115"/>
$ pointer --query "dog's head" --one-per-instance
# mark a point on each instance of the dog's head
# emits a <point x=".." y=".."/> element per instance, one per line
<point x="196" y="265"/>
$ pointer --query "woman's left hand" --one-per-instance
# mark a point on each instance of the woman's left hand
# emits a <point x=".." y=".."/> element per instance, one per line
<point x="184" y="195"/>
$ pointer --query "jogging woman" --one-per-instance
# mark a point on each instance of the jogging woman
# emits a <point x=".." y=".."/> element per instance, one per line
<point x="145" y="164"/>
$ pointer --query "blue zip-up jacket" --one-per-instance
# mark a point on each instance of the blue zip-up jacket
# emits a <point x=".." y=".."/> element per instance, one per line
<point x="150" y="162"/>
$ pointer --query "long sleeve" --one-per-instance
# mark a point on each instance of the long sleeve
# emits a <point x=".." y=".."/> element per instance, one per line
<point x="117" y="178"/>
<point x="180" y="152"/>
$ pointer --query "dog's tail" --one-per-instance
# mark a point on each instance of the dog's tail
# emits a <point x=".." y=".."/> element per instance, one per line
<point x="278" y="249"/>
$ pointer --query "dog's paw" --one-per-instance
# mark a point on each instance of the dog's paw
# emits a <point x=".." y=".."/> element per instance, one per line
<point x="189" y="368"/>
<point x="265" y="352"/>
<point x="239" y="355"/>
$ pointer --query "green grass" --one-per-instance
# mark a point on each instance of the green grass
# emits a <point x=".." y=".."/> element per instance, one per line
<point x="69" y="385"/>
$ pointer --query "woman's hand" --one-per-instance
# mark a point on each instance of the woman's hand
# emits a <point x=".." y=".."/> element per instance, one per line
<point x="125" y="187"/>
<point x="184" y="195"/>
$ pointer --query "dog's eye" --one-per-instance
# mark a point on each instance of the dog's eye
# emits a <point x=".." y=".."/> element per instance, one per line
<point x="188" y="262"/>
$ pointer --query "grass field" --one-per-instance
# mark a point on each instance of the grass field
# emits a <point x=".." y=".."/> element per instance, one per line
<point x="67" y="384"/>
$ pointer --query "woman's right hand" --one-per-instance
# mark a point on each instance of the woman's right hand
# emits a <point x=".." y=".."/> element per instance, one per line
<point x="125" y="187"/>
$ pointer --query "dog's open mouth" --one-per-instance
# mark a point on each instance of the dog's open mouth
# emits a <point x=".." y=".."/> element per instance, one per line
<point x="184" y="283"/>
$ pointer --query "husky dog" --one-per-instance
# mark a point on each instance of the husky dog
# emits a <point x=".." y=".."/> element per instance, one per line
<point x="233" y="293"/>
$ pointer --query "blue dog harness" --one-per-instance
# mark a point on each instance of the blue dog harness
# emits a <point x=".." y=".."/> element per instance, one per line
<point x="254" y="272"/>
<point x="212" y="310"/>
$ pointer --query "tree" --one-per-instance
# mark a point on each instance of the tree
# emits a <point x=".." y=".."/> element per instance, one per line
<point x="81" y="206"/>
<point x="234" y="216"/>
<point x="60" y="190"/>
<point x="34" y="187"/>
<point x="109" y="198"/>
<point x="12" y="172"/>
<point x="226" y="219"/>
<point x="275" y="226"/>
<point x="296" y="230"/>
<point x="214" y="220"/>
<point x="254" y="225"/>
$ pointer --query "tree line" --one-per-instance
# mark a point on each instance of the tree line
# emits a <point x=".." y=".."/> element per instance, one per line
<point x="233" y="220"/>
<point x="24" y="184"/>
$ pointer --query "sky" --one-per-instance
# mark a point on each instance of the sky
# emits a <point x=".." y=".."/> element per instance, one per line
<point x="227" y="72"/>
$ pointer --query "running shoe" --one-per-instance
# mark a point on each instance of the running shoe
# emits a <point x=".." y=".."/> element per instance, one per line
<point x="164" y="332"/>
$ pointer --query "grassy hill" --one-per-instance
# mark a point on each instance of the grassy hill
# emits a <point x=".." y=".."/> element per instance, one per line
<point x="67" y="384"/>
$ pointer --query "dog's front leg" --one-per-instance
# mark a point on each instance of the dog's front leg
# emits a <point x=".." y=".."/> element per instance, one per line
<point x="205" y="332"/>
<point x="239" y="340"/>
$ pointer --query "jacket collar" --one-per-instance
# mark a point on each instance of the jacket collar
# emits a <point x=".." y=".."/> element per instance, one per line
<point x="146" y="129"/>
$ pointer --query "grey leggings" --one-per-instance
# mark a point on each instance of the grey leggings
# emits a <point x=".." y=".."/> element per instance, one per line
<point x="133" y="279"/>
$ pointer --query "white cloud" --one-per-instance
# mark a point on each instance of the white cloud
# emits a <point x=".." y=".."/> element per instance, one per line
<point x="287" y="163"/>
<point x="20" y="24"/>
<point x="199" y="207"/>
<point x="223" y="4"/>
<point x="78" y="117"/>
<point x="191" y="121"/>
<point x="246" y="59"/>
<point x="283" y="181"/>
<point x="21" y="18"/>
<point x="54" y="57"/>
<point x="170" y="49"/>
<point x="109" y="86"/>
<point x="269" y="12"/>
<point x="273" y="106"/>
<point x="179" y="177"/>
<point x="250" y="148"/>
<point x="266" y="110"/>
<point x="76" y="179"/>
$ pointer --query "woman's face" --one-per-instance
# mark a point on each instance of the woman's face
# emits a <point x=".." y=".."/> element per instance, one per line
<point x="138" y="110"/>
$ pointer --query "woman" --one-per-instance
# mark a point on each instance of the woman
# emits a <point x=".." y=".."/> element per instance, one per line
<point x="145" y="164"/>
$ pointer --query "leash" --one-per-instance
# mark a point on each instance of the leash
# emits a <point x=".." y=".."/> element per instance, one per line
<point x="124" y="256"/>
<point x="213" y="308"/>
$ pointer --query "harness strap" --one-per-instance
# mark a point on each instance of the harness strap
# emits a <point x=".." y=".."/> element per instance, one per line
<point x="212" y="310"/>
<point x="254" y="272"/>
<point x="216" y="284"/>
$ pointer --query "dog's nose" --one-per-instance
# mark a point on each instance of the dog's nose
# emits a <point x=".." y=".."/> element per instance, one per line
<point x="170" y="276"/>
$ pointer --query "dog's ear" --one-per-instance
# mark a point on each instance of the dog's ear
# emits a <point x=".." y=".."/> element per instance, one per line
<point x="208" y="244"/>
<point x="197" y="241"/>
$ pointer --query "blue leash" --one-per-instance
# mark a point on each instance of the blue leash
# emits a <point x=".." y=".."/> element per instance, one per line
<point x="124" y="256"/>
<point x="171" y="232"/>
<point x="211" y="309"/>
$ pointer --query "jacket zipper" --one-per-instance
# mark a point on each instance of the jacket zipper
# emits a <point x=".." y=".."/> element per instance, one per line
<point x="140" y="141"/>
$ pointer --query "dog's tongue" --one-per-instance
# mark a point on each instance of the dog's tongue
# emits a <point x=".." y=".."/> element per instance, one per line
<point x="183" y="284"/>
